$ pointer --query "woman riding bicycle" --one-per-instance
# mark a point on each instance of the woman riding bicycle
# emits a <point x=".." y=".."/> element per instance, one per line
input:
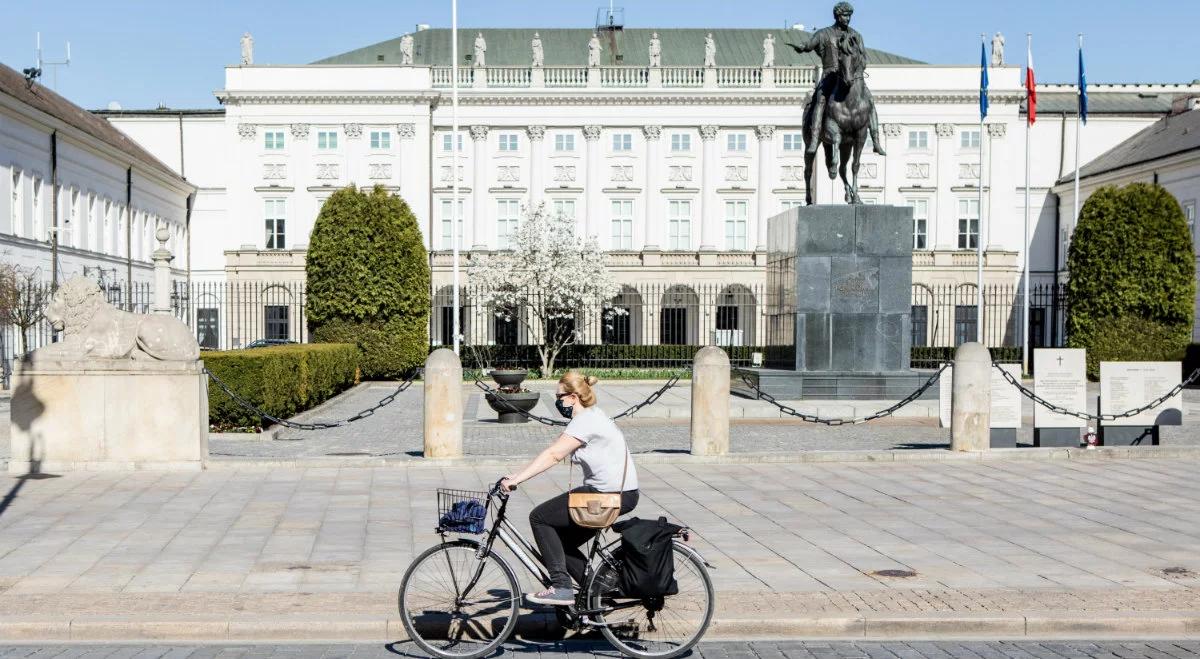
<point x="593" y="441"/>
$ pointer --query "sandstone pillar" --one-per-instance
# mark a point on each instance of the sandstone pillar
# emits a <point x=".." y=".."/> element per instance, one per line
<point x="710" y="402"/>
<point x="479" y="187"/>
<point x="971" y="402"/>
<point x="443" y="405"/>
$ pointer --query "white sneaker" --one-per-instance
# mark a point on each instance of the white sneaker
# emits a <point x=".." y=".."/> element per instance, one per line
<point x="553" y="597"/>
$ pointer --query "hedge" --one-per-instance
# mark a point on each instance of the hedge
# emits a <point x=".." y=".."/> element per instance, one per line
<point x="612" y="355"/>
<point x="1132" y="287"/>
<point x="282" y="380"/>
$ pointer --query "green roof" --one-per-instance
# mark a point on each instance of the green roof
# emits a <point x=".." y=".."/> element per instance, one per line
<point x="568" y="47"/>
<point x="1104" y="102"/>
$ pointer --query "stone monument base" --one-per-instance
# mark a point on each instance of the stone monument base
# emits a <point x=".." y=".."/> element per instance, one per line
<point x="826" y="385"/>
<point x="108" y="414"/>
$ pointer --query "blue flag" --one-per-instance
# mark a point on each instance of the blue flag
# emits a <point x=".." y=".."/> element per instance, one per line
<point x="983" y="82"/>
<point x="1082" y="88"/>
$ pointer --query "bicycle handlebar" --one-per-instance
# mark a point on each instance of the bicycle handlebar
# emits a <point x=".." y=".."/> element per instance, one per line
<point x="496" y="489"/>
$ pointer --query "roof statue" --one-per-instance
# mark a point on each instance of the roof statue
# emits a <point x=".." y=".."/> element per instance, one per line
<point x="710" y="51"/>
<point x="539" y="55"/>
<point x="655" y="50"/>
<point x="247" y="49"/>
<point x="406" y="49"/>
<point x="840" y="113"/>
<point x="480" y="49"/>
<point x="998" y="50"/>
<point x="594" y="50"/>
<point x="769" y="51"/>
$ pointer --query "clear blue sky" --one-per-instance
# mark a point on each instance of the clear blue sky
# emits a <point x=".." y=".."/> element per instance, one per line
<point x="145" y="52"/>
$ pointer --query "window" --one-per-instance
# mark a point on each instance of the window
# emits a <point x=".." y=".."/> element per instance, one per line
<point x="616" y="326"/>
<point x="39" y="216"/>
<point x="681" y="143"/>
<point x="622" y="224"/>
<point x="71" y="224"/>
<point x="505" y="329"/>
<point x="622" y="142"/>
<point x="276" y="322"/>
<point x="735" y="142"/>
<point x="564" y="143"/>
<point x="920" y="325"/>
<point x="508" y="141"/>
<point x="274" y="214"/>
<point x="679" y="224"/>
<point x="208" y="327"/>
<point x="16" y="210"/>
<point x="448" y="141"/>
<point x="735" y="225"/>
<point x="448" y="224"/>
<point x="327" y="139"/>
<point x="565" y="207"/>
<point x="918" y="139"/>
<point x="920" y="222"/>
<point x="966" y="323"/>
<point x="1189" y="214"/>
<point x="506" y="222"/>
<point x="786" y="203"/>
<point x="674" y="326"/>
<point x="381" y="139"/>
<point x="793" y="142"/>
<point x="968" y="223"/>
<point x="273" y="140"/>
<point x="1037" y="327"/>
<point x="969" y="139"/>
<point x="106" y="240"/>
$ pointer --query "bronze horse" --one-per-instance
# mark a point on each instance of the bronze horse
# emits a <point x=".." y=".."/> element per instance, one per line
<point x="848" y="118"/>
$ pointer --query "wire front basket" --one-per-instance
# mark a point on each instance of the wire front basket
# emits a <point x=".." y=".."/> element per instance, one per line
<point x="462" y="511"/>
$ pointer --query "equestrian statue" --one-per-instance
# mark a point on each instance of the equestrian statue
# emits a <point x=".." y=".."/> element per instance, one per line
<point x="841" y="113"/>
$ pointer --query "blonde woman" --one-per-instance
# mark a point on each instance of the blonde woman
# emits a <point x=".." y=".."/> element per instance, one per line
<point x="595" y="443"/>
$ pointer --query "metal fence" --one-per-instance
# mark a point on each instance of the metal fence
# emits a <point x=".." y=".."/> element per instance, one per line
<point x="231" y="315"/>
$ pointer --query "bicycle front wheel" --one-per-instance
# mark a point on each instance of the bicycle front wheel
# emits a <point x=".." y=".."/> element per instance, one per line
<point x="456" y="605"/>
<point x="642" y="633"/>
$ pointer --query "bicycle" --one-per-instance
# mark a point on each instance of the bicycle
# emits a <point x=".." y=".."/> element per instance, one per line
<point x="460" y="599"/>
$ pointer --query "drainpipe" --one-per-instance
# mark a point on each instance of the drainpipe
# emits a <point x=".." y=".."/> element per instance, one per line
<point x="53" y="210"/>
<point x="1054" y="286"/>
<point x="129" y="238"/>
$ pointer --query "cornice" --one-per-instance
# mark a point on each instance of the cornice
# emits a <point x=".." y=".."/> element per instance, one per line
<point x="325" y="98"/>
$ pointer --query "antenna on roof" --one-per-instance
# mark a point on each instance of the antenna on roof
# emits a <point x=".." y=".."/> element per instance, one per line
<point x="42" y="64"/>
<point x="612" y="18"/>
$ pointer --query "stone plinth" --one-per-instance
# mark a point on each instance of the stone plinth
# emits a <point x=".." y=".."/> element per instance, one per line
<point x="842" y="276"/>
<point x="108" y="414"/>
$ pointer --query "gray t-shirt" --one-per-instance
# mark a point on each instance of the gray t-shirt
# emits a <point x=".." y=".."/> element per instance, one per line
<point x="603" y="454"/>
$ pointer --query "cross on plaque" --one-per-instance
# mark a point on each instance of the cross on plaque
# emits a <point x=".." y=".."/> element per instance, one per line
<point x="1060" y="360"/>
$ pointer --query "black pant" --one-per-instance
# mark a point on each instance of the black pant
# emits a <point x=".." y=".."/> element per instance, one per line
<point x="559" y="539"/>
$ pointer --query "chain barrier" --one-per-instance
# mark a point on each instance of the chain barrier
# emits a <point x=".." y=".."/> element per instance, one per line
<point x="812" y="418"/>
<point x="546" y="421"/>
<point x="1096" y="417"/>
<point x="386" y="400"/>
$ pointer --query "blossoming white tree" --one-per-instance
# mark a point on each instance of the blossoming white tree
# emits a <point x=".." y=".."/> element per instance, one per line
<point x="546" y="281"/>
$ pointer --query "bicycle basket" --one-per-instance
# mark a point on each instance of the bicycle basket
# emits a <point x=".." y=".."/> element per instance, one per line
<point x="461" y="511"/>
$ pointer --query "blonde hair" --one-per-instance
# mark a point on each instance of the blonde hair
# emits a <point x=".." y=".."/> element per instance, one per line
<point x="574" y="382"/>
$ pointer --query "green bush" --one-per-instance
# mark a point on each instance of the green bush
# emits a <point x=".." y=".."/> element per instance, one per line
<point x="606" y="355"/>
<point x="1132" y="269"/>
<point x="281" y="380"/>
<point x="368" y="280"/>
<point x="933" y="356"/>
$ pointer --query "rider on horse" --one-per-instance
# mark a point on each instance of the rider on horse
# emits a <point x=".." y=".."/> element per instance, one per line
<point x="829" y="43"/>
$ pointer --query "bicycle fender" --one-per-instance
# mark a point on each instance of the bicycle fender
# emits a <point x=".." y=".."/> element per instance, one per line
<point x="692" y="550"/>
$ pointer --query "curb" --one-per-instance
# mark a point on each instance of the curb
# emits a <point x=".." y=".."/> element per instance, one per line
<point x="542" y="626"/>
<point x="1100" y="454"/>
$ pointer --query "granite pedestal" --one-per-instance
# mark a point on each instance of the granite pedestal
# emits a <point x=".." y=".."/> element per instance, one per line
<point x="843" y="279"/>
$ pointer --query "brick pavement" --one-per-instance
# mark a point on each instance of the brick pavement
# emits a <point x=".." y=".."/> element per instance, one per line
<point x="1010" y="545"/>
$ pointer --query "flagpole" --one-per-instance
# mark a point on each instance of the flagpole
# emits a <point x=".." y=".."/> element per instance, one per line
<point x="979" y="230"/>
<point x="1025" y="266"/>
<point x="1078" y="115"/>
<point x="455" y="213"/>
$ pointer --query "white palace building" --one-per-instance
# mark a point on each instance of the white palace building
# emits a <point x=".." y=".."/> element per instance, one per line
<point x="675" y="167"/>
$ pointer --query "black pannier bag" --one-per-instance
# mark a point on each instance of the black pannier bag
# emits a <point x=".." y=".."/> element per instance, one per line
<point x="647" y="559"/>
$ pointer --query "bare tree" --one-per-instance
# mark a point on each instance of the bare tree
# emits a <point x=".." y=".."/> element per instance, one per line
<point x="23" y="300"/>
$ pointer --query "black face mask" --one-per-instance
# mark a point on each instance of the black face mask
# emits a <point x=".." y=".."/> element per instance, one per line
<point x="564" y="410"/>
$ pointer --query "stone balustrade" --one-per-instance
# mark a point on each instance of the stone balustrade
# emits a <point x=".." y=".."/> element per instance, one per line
<point x="631" y="77"/>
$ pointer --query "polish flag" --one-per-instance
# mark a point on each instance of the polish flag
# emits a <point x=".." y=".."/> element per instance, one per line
<point x="1030" y="85"/>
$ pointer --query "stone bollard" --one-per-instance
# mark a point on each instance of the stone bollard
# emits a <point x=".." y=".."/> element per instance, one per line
<point x="443" y="405"/>
<point x="710" y="402"/>
<point x="971" y="399"/>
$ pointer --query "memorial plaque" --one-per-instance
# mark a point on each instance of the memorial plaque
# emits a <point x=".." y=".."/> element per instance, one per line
<point x="1006" y="400"/>
<point x="1060" y="376"/>
<point x="1128" y="385"/>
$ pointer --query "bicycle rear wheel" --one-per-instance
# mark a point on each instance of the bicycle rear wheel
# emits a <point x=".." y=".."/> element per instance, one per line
<point x="444" y="622"/>
<point x="640" y="633"/>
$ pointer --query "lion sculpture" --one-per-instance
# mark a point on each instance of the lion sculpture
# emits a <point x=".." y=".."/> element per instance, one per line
<point x="94" y="329"/>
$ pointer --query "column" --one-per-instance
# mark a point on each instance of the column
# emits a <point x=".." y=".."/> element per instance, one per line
<point x="893" y="177"/>
<point x="592" y="211"/>
<point x="999" y="182"/>
<point x="766" y="174"/>
<point x="944" y="177"/>
<point x="479" y="194"/>
<point x="536" y="159"/>
<point x="710" y="229"/>
<point x="652" y="210"/>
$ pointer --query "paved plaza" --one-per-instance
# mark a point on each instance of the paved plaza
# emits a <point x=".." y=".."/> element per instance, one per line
<point x="998" y="549"/>
<point x="1158" y="649"/>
